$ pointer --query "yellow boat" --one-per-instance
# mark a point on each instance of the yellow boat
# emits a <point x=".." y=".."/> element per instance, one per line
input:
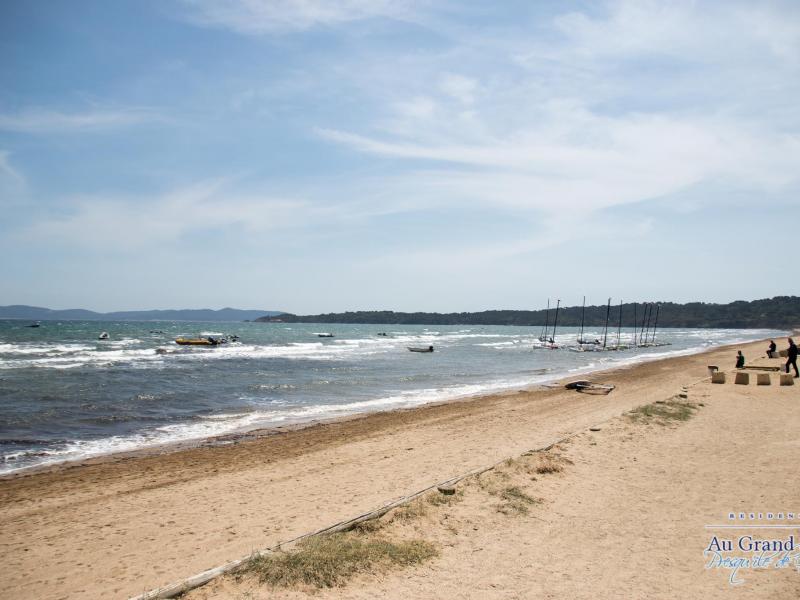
<point x="196" y="341"/>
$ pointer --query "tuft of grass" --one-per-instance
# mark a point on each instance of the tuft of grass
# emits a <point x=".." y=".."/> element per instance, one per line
<point x="516" y="501"/>
<point x="330" y="560"/>
<point x="413" y="510"/>
<point x="439" y="499"/>
<point x="370" y="526"/>
<point x="663" y="413"/>
<point x="548" y="464"/>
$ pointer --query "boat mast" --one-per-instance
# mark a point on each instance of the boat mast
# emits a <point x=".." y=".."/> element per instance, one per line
<point x="644" y="318"/>
<point x="555" y="321"/>
<point x="605" y="330"/>
<point x="583" y="312"/>
<point x="634" y="324"/>
<point x="619" y="327"/>
<point x="655" y="323"/>
<point x="543" y="336"/>
<point x="649" y="316"/>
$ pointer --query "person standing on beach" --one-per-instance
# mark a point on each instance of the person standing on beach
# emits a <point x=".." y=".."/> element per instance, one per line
<point x="740" y="360"/>
<point x="792" y="361"/>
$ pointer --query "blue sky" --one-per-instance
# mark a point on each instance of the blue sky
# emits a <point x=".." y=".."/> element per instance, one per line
<point x="315" y="156"/>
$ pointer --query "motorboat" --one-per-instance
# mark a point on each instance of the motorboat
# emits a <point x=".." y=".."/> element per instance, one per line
<point x="201" y="341"/>
<point x="325" y="335"/>
<point x="103" y="336"/>
<point x="420" y="349"/>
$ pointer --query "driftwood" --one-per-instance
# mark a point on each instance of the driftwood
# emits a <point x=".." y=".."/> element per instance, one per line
<point x="759" y="368"/>
<point x="181" y="587"/>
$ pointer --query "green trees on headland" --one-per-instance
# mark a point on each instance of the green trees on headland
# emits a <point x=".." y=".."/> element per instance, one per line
<point x="781" y="312"/>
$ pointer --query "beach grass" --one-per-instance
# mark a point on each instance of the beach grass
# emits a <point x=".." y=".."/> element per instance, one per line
<point x="439" y="499"/>
<point x="331" y="560"/>
<point x="548" y="464"/>
<point x="663" y="412"/>
<point x="516" y="501"/>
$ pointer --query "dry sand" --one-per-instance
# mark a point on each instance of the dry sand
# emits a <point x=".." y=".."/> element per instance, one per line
<point x="625" y="520"/>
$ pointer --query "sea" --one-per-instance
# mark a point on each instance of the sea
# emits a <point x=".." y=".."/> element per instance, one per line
<point x="67" y="395"/>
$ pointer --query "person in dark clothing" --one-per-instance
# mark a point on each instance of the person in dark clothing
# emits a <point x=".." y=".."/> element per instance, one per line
<point x="792" y="360"/>
<point x="739" y="360"/>
<point x="772" y="348"/>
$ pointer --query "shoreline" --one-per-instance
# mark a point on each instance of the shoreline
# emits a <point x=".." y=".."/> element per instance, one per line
<point x="109" y="521"/>
<point x="246" y="433"/>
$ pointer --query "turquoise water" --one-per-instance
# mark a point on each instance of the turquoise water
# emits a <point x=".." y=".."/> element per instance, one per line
<point x="65" y="395"/>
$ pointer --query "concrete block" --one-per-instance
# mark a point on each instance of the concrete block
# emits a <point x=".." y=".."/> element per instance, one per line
<point x="718" y="377"/>
<point x="783" y="353"/>
<point x="742" y="378"/>
<point x="763" y="379"/>
<point x="773" y="354"/>
<point x="787" y="379"/>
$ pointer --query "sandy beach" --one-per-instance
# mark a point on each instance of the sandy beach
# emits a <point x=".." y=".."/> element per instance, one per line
<point x="626" y="515"/>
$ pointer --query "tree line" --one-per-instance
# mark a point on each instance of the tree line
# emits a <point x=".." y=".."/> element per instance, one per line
<point x="782" y="312"/>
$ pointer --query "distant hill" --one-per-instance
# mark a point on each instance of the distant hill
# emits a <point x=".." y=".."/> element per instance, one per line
<point x="781" y="312"/>
<point x="36" y="313"/>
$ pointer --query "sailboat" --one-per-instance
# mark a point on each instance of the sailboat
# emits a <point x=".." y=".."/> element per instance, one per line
<point x="543" y="335"/>
<point x="584" y="345"/>
<point x="648" y="340"/>
<point x="550" y="342"/>
<point x="605" y="329"/>
<point x="620" y="345"/>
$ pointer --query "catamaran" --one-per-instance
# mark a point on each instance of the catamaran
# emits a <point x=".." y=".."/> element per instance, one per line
<point x="550" y="342"/>
<point x="543" y="335"/>
<point x="584" y="345"/>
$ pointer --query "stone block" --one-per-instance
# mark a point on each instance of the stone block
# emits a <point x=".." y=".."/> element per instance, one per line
<point x="718" y="377"/>
<point x="742" y="378"/>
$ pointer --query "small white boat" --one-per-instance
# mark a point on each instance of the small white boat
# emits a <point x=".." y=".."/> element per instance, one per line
<point x="103" y="336"/>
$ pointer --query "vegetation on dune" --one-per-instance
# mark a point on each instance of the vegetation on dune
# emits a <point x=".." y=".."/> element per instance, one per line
<point x="515" y="500"/>
<point x="330" y="560"/>
<point x="663" y="412"/>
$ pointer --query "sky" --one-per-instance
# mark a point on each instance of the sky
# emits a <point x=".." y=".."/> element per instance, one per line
<point x="319" y="156"/>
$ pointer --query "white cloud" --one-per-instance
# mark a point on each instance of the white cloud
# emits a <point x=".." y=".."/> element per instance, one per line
<point x="636" y="103"/>
<point x="13" y="185"/>
<point x="7" y="172"/>
<point x="459" y="87"/>
<point x="130" y="223"/>
<point x="38" y="120"/>
<point x="420" y="107"/>
<point x="265" y="16"/>
<point x="702" y="32"/>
